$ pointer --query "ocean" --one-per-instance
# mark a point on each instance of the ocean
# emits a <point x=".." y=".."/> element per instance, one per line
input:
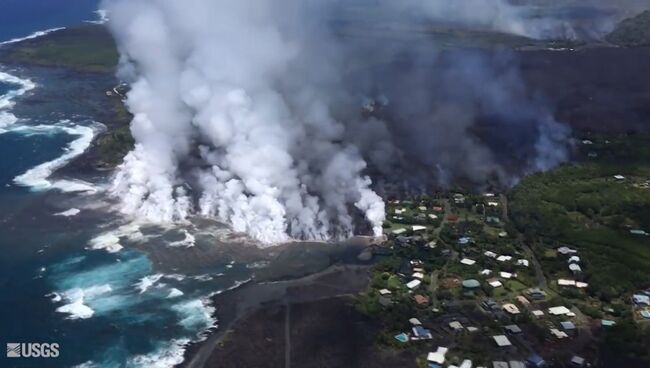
<point x="72" y="271"/>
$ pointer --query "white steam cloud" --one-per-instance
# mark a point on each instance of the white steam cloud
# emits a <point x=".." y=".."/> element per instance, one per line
<point x="227" y="127"/>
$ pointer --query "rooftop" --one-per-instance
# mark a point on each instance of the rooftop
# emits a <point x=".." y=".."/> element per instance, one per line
<point x="502" y="340"/>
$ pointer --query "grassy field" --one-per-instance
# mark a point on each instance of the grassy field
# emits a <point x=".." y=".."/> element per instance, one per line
<point x="88" y="48"/>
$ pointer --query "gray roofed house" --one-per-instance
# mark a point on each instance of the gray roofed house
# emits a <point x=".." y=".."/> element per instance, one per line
<point x="513" y="329"/>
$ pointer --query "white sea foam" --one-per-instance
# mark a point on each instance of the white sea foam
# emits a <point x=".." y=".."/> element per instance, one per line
<point x="37" y="178"/>
<point x="176" y="276"/>
<point x="7" y="100"/>
<point x="188" y="242"/>
<point x="111" y="240"/>
<point x="169" y="355"/>
<point x="76" y="299"/>
<point x="69" y="213"/>
<point x="31" y="36"/>
<point x="195" y="314"/>
<point x="148" y="281"/>
<point x="174" y="293"/>
<point x="107" y="241"/>
<point x="88" y="364"/>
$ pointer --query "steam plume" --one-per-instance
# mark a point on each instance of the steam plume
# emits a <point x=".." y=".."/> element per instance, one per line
<point x="251" y="112"/>
<point x="226" y="111"/>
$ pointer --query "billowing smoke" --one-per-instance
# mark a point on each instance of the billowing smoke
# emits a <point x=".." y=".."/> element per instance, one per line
<point x="265" y="115"/>
<point x="233" y="119"/>
<point x="536" y="19"/>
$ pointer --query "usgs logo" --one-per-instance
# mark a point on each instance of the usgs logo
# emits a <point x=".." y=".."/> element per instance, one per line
<point x="32" y="350"/>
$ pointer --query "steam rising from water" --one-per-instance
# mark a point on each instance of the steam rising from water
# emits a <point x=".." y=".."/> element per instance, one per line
<point x="220" y="115"/>
<point x="250" y="112"/>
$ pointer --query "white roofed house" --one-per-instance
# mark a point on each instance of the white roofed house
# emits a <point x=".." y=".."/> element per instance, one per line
<point x="418" y="228"/>
<point x="468" y="262"/>
<point x="413" y="284"/>
<point x="575" y="268"/>
<point x="502" y="341"/>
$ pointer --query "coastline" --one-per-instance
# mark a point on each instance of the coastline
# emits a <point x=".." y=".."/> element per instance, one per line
<point x="236" y="305"/>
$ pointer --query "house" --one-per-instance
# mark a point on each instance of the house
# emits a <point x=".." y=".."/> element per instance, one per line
<point x="559" y="311"/>
<point x="499" y="364"/>
<point x="619" y="177"/>
<point x="513" y="329"/>
<point x="402" y="337"/>
<point x="468" y="262"/>
<point x="399" y="231"/>
<point x="639" y="232"/>
<point x="641" y="299"/>
<point x="523" y="301"/>
<point x="504" y="258"/>
<point x="418" y="228"/>
<point x="607" y="323"/>
<point x="506" y="275"/>
<point x="438" y="209"/>
<point x="438" y="357"/>
<point x="565" y="282"/>
<point x="503" y="234"/>
<point x="385" y="292"/>
<point x="456" y="326"/>
<point x="466" y="364"/>
<point x="523" y="262"/>
<point x="490" y="254"/>
<point x="415" y="322"/>
<point x="566" y="250"/>
<point x="471" y="284"/>
<point x="485" y="272"/>
<point x="422" y="208"/>
<point x="493" y="204"/>
<point x="558" y="334"/>
<point x="502" y="341"/>
<point x="568" y="326"/>
<point x="536" y="293"/>
<point x="536" y="361"/>
<point x="464" y="240"/>
<point x="413" y="284"/>
<point x="432" y="216"/>
<point x="538" y="313"/>
<point x="574" y="259"/>
<point x="517" y="364"/>
<point x="575" y="268"/>
<point x="490" y="305"/>
<point x="577" y="361"/>
<point x="421" y="299"/>
<point x="511" y="308"/>
<point x="421" y="333"/>
<point x="418" y="275"/>
<point x="581" y="285"/>
<point x="495" y="283"/>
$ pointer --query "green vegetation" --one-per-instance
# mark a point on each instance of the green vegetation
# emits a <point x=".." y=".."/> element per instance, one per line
<point x="88" y="48"/>
<point x="115" y="144"/>
<point x="584" y="206"/>
<point x="632" y="32"/>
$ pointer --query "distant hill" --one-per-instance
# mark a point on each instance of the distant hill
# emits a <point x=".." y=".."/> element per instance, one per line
<point x="632" y="32"/>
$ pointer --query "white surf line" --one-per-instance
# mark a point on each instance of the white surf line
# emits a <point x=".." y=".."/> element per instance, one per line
<point x="37" y="178"/>
<point x="31" y="36"/>
<point x="7" y="100"/>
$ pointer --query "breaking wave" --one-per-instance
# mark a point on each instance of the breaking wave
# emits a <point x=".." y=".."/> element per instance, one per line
<point x="7" y="100"/>
<point x="38" y="178"/>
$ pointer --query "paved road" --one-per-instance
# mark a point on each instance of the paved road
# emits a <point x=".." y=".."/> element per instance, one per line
<point x="287" y="336"/>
